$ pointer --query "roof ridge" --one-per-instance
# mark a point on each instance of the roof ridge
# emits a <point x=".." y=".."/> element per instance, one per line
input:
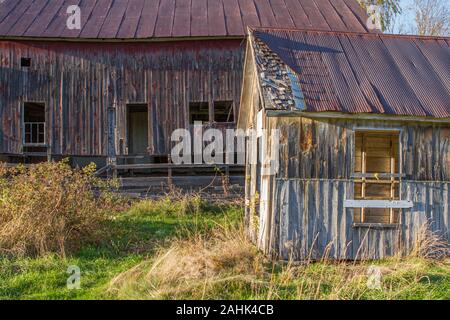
<point x="248" y="13"/>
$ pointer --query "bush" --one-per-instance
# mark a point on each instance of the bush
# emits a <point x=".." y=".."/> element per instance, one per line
<point x="49" y="207"/>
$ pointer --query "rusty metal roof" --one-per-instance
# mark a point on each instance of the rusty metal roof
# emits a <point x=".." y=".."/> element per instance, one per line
<point x="354" y="72"/>
<point x="143" y="19"/>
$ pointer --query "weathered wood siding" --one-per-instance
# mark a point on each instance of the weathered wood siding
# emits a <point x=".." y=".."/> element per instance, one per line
<point x="325" y="149"/>
<point x="78" y="82"/>
<point x="308" y="218"/>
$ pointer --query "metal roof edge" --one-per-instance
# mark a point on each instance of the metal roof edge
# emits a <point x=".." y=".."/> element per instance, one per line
<point x="354" y="116"/>
<point x="124" y="40"/>
<point x="350" y="33"/>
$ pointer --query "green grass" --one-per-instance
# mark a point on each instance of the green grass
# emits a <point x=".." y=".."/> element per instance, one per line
<point x="136" y="235"/>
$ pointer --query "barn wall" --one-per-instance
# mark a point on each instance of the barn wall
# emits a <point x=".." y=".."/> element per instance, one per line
<point x="324" y="149"/>
<point x="308" y="218"/>
<point x="80" y="81"/>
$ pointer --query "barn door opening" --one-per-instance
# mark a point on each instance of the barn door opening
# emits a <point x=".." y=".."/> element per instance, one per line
<point x="137" y="120"/>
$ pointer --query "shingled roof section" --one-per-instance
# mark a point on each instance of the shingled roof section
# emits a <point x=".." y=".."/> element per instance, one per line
<point x="144" y="19"/>
<point x="354" y="72"/>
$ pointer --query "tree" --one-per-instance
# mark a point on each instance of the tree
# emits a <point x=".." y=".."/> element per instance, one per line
<point x="388" y="10"/>
<point x="432" y="17"/>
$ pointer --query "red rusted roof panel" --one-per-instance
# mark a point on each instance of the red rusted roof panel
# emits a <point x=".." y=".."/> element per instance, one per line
<point x="165" y="18"/>
<point x="114" y="19"/>
<point x="297" y="14"/>
<point x="47" y="15"/>
<point x="92" y="27"/>
<point x="58" y="24"/>
<point x="282" y="14"/>
<point x="199" y="23"/>
<point x="216" y="18"/>
<point x="130" y="22"/>
<point x="28" y="17"/>
<point x="141" y="19"/>
<point x="182" y="19"/>
<point x="233" y="18"/>
<point x="365" y="73"/>
<point x="147" y="21"/>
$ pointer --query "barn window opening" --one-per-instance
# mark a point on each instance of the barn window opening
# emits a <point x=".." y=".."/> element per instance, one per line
<point x="198" y="111"/>
<point x="377" y="175"/>
<point x="25" y="62"/>
<point x="34" y="124"/>
<point x="223" y="111"/>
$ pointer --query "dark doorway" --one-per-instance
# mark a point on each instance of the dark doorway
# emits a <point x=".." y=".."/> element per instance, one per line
<point x="34" y="130"/>
<point x="137" y="119"/>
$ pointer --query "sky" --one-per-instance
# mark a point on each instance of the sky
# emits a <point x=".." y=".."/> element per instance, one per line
<point x="407" y="16"/>
<point x="406" y="19"/>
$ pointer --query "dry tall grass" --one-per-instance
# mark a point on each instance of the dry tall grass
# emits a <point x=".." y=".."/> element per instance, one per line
<point x="191" y="267"/>
<point x="48" y="208"/>
<point x="429" y="244"/>
<point x="226" y="265"/>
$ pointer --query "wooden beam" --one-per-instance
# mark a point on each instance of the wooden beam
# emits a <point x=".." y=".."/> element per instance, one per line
<point x="172" y="166"/>
<point x="378" y="175"/>
<point x="102" y="170"/>
<point x="376" y="225"/>
<point x="363" y="169"/>
<point x="383" y="204"/>
<point x="353" y="116"/>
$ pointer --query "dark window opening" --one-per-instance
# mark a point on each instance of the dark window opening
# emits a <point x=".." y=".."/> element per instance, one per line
<point x="223" y="111"/>
<point x="137" y="119"/>
<point x="198" y="111"/>
<point x="25" y="62"/>
<point x="377" y="168"/>
<point x="34" y="124"/>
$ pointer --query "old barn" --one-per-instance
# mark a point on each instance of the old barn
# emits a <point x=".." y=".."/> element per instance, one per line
<point x="135" y="71"/>
<point x="364" y="142"/>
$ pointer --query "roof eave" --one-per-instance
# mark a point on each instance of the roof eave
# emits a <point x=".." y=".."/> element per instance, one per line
<point x="120" y="40"/>
<point x="355" y="116"/>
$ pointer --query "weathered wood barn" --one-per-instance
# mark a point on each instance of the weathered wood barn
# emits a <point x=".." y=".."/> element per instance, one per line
<point x="135" y="70"/>
<point x="364" y="142"/>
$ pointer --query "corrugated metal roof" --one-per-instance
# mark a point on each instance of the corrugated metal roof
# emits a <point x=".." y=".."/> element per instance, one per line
<point x="361" y="72"/>
<point x="142" y="19"/>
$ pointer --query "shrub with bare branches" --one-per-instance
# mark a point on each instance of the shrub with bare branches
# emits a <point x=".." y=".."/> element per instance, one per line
<point x="49" y="207"/>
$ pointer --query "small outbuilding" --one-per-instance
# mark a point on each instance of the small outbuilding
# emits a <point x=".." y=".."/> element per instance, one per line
<point x="363" y="156"/>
